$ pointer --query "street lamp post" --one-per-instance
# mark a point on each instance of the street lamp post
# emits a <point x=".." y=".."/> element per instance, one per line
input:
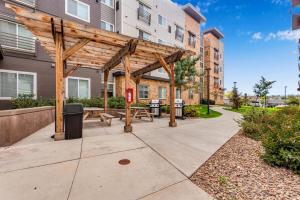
<point x="285" y="87"/>
<point x="208" y="89"/>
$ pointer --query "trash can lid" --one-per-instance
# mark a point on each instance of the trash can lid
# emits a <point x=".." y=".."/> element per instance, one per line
<point x="73" y="108"/>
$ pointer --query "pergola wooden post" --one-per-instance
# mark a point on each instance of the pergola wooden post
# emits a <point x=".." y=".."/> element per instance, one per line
<point x="137" y="88"/>
<point x="59" y="80"/>
<point x="126" y="63"/>
<point x="106" y="73"/>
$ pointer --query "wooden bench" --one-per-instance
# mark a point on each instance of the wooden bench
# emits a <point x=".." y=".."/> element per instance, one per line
<point x="107" y="118"/>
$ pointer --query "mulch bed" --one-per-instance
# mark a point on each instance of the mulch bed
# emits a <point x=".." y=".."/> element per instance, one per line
<point x="236" y="171"/>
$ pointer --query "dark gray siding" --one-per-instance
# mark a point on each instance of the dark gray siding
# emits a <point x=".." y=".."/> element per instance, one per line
<point x="40" y="63"/>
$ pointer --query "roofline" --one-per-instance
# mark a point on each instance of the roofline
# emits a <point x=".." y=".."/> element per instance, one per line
<point x="216" y="32"/>
<point x="200" y="15"/>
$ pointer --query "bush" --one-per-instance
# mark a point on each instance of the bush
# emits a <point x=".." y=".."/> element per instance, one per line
<point x="211" y="102"/>
<point x="140" y="104"/>
<point x="281" y="140"/>
<point x="165" y="109"/>
<point x="27" y="101"/>
<point x="93" y="102"/>
<point x="192" y="111"/>
<point x="116" y="102"/>
<point x="253" y="123"/>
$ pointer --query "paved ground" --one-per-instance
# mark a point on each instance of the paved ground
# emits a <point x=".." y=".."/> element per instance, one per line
<point x="161" y="160"/>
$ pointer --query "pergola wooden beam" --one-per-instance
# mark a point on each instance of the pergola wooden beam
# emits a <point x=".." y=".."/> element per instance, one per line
<point x="71" y="71"/>
<point x="128" y="49"/>
<point x="69" y="52"/>
<point x="169" y="59"/>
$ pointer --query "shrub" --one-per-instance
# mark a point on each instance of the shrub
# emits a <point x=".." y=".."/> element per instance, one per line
<point x="281" y="140"/>
<point x="140" y="104"/>
<point x="27" y="101"/>
<point x="192" y="111"/>
<point x="253" y="123"/>
<point x="116" y="102"/>
<point x="93" y="102"/>
<point x="165" y="109"/>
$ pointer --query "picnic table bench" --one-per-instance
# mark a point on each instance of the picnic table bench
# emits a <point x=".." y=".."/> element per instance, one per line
<point x="97" y="112"/>
<point x="138" y="113"/>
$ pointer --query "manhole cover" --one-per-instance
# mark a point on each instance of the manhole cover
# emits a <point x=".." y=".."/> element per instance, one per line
<point x="124" y="162"/>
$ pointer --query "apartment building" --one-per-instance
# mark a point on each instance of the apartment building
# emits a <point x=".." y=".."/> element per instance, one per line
<point x="25" y="67"/>
<point x="214" y="60"/>
<point x="160" y="21"/>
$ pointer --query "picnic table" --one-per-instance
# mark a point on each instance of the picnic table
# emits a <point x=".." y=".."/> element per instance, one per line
<point x="98" y="113"/>
<point x="139" y="113"/>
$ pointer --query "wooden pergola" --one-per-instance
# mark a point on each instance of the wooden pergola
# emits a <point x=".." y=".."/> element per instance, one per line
<point x="78" y="45"/>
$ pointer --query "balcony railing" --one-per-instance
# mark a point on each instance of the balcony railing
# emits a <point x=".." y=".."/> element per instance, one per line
<point x="17" y="43"/>
<point x="144" y="15"/>
<point x="31" y="3"/>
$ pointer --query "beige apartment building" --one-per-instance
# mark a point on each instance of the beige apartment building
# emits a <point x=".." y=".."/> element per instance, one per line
<point x="214" y="60"/>
<point x="160" y="21"/>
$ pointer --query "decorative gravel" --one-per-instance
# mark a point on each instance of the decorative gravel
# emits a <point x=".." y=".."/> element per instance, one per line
<point x="237" y="172"/>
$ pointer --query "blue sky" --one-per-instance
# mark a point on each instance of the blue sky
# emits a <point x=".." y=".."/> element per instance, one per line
<point x="258" y="41"/>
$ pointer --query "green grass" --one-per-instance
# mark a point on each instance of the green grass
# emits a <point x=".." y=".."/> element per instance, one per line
<point x="201" y="112"/>
<point x="245" y="109"/>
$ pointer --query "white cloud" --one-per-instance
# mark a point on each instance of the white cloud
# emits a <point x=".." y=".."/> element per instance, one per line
<point x="284" y="35"/>
<point x="257" y="36"/>
<point x="280" y="2"/>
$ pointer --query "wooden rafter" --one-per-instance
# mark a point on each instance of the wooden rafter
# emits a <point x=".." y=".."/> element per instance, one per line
<point x="69" y="52"/>
<point x="170" y="59"/>
<point x="71" y="71"/>
<point x="128" y="49"/>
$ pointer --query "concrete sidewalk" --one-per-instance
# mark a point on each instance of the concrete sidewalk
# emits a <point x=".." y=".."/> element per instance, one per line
<point x="161" y="160"/>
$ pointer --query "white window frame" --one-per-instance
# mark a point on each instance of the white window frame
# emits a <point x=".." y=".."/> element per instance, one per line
<point x="22" y="72"/>
<point x="108" y="24"/>
<point x="148" y="91"/>
<point x="164" y="19"/>
<point x="17" y="39"/>
<point x="113" y="4"/>
<point x="108" y="82"/>
<point x="27" y="3"/>
<point x="159" y="92"/>
<point x="80" y="2"/>
<point x="145" y="32"/>
<point x="78" y="78"/>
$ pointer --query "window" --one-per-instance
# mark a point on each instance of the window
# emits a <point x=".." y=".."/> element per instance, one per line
<point x="107" y="26"/>
<point x="161" y="70"/>
<point x="110" y="85"/>
<point x="14" y="83"/>
<point x="162" y="20"/>
<point x="169" y="29"/>
<point x="162" y="93"/>
<point x="16" y="36"/>
<point x="78" y="88"/>
<point x="28" y="2"/>
<point x="192" y="40"/>
<point x="109" y="3"/>
<point x="178" y="93"/>
<point x="191" y="94"/>
<point x="144" y="13"/>
<point x="179" y="34"/>
<point x="143" y="35"/>
<point x="143" y="92"/>
<point x="78" y="9"/>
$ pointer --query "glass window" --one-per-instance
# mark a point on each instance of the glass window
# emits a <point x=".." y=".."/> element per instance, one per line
<point x="78" y="9"/>
<point x="143" y="92"/>
<point x="110" y="85"/>
<point x="13" y="84"/>
<point x="162" y="93"/>
<point x="78" y="88"/>
<point x="178" y="93"/>
<point x="143" y="35"/>
<point x="179" y="34"/>
<point x="162" y="20"/>
<point x="192" y="40"/>
<point x="13" y="35"/>
<point x="161" y="70"/>
<point x="191" y="94"/>
<point x="108" y="2"/>
<point x="107" y="26"/>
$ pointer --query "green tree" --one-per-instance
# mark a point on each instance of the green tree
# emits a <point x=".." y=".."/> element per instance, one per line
<point x="235" y="98"/>
<point x="293" y="101"/>
<point x="186" y="73"/>
<point x="262" y="89"/>
<point x="246" y="100"/>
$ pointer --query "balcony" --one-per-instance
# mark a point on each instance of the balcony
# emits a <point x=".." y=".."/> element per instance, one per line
<point x="144" y="15"/>
<point x="31" y="3"/>
<point x="17" y="43"/>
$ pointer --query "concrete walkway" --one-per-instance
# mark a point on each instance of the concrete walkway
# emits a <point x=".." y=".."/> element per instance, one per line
<point x="161" y="160"/>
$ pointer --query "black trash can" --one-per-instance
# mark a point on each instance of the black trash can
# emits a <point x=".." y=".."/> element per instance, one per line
<point x="73" y="120"/>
